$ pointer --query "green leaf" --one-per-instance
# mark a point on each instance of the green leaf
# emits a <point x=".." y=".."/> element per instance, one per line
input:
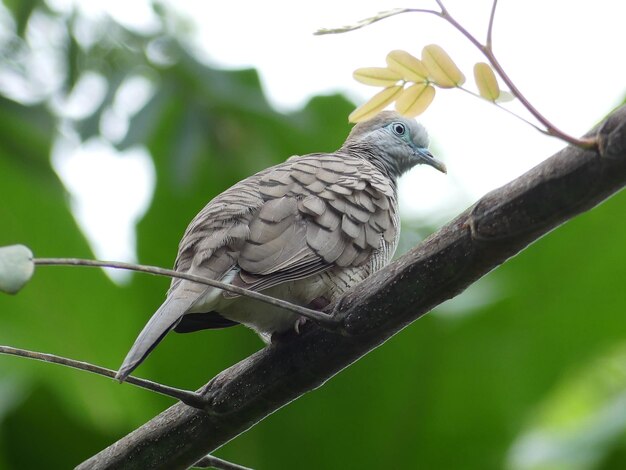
<point x="441" y="69"/>
<point x="376" y="104"/>
<point x="377" y="76"/>
<point x="16" y="268"/>
<point x="505" y="96"/>
<point x="414" y="100"/>
<point x="410" y="68"/>
<point x="486" y="81"/>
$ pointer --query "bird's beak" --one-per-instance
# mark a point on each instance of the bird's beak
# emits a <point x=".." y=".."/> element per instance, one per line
<point x="428" y="158"/>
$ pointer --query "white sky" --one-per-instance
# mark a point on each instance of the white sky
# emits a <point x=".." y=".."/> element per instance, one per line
<point x="566" y="56"/>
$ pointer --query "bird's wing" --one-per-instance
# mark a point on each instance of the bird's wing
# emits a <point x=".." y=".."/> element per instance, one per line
<point x="321" y="211"/>
<point x="304" y="216"/>
<point x="208" y="248"/>
<point x="211" y="244"/>
<point x="153" y="332"/>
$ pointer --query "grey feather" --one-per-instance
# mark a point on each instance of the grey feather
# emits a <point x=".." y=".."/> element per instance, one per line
<point x="163" y="320"/>
<point x="312" y="205"/>
<point x="305" y="229"/>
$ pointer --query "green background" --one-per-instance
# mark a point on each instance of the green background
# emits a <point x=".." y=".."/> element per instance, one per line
<point x="533" y="375"/>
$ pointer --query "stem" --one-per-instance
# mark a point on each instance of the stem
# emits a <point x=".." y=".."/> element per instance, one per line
<point x="497" y="105"/>
<point x="189" y="398"/>
<point x="442" y="6"/>
<point x="486" y="50"/>
<point x="368" y="21"/>
<point x="585" y="143"/>
<point x="323" y="319"/>
<point x="490" y="27"/>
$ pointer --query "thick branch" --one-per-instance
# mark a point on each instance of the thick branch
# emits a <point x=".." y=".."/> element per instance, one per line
<point x="497" y="227"/>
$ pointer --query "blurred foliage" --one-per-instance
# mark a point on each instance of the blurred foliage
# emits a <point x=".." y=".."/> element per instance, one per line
<point x="532" y="379"/>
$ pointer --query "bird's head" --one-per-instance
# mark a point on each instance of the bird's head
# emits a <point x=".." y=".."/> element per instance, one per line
<point x="397" y="142"/>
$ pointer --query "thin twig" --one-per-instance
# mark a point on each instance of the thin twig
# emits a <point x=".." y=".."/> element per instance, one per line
<point x="368" y="21"/>
<point x="490" y="27"/>
<point x="486" y="50"/>
<point x="210" y="461"/>
<point x="585" y="143"/>
<point x="324" y="320"/>
<point x="189" y="398"/>
<point x="499" y="106"/>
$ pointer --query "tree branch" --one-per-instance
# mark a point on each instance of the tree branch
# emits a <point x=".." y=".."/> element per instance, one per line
<point x="486" y="49"/>
<point x="190" y="398"/>
<point x="494" y="229"/>
<point x="368" y="21"/>
<point x="322" y="319"/>
<point x="492" y="16"/>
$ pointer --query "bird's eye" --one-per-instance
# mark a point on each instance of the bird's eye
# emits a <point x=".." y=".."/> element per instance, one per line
<point x="398" y="128"/>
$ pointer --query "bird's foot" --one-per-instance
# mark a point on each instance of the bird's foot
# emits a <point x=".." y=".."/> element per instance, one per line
<point x="299" y="322"/>
<point x="319" y="304"/>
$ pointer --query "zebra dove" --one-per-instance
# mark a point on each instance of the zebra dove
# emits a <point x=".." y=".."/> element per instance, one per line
<point x="304" y="231"/>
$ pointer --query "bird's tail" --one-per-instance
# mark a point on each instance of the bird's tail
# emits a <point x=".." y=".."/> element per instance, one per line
<point x="164" y="319"/>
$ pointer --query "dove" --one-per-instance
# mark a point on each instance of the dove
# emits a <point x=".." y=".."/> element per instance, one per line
<point x="304" y="231"/>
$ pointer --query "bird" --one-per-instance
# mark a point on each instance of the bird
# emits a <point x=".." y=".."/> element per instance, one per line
<point x="305" y="231"/>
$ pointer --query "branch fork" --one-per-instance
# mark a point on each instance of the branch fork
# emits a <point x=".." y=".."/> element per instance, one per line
<point x="487" y="50"/>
